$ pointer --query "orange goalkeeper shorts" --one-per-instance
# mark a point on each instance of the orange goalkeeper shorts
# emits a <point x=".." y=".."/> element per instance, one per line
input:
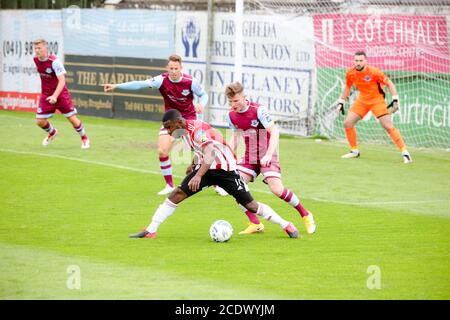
<point x="379" y="108"/>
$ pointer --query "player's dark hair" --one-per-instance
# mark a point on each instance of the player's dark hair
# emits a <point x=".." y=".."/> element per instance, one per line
<point x="171" y="115"/>
<point x="361" y="53"/>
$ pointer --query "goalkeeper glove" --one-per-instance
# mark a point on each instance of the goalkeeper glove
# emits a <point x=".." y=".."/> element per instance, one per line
<point x="340" y="106"/>
<point x="393" y="105"/>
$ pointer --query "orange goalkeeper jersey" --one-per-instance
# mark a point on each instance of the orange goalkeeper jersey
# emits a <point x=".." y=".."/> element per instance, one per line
<point x="369" y="82"/>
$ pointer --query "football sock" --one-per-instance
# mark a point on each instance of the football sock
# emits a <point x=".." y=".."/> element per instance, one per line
<point x="293" y="200"/>
<point x="164" y="211"/>
<point x="49" y="128"/>
<point x="251" y="216"/>
<point x="397" y="138"/>
<point x="166" y="170"/>
<point x="267" y="213"/>
<point x="351" y="137"/>
<point x="80" y="130"/>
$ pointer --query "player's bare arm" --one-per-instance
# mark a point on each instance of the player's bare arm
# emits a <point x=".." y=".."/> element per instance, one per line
<point x="209" y="154"/>
<point x="194" y="184"/>
<point x="273" y="144"/>
<point x="61" y="83"/>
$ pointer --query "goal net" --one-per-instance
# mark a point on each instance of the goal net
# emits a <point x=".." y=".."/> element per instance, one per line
<point x="308" y="45"/>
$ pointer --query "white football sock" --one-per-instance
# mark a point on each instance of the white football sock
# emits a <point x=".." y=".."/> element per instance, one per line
<point x="267" y="213"/>
<point x="164" y="211"/>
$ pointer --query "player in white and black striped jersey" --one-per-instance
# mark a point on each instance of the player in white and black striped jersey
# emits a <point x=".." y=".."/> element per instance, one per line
<point x="216" y="165"/>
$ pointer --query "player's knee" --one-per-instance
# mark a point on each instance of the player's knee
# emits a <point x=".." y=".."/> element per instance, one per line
<point x="348" y="124"/>
<point x="277" y="190"/>
<point x="177" y="195"/>
<point x="163" y="152"/>
<point x="41" y="122"/>
<point x="387" y="126"/>
<point x="74" y="121"/>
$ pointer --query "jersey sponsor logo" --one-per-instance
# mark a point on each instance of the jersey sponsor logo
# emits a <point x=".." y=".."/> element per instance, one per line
<point x="48" y="70"/>
<point x="185" y="92"/>
<point x="367" y="78"/>
<point x="254" y="123"/>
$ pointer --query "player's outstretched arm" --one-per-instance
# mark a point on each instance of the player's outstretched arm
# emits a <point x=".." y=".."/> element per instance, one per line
<point x="108" y="87"/>
<point x="132" y="85"/>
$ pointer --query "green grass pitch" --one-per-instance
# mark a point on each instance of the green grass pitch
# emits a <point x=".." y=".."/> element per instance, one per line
<point x="62" y="206"/>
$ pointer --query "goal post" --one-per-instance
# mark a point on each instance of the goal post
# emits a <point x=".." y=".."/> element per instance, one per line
<point x="308" y="46"/>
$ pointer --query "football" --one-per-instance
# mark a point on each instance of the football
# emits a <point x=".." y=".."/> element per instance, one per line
<point x="221" y="231"/>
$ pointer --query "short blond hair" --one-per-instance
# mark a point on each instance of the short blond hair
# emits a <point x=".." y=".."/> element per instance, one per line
<point x="39" y="41"/>
<point x="174" y="58"/>
<point x="233" y="89"/>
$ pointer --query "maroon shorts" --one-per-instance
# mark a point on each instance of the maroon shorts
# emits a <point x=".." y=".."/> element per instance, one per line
<point x="63" y="104"/>
<point x="272" y="171"/>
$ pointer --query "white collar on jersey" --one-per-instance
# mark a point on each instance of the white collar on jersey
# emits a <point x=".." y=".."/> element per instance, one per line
<point x="43" y="60"/>
<point x="179" y="80"/>
<point x="246" y="108"/>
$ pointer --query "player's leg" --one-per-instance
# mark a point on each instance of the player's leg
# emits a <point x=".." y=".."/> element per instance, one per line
<point x="165" y="142"/>
<point x="248" y="173"/>
<point x="235" y="186"/>
<point x="45" y="125"/>
<point x="79" y="128"/>
<point x="386" y="123"/>
<point x="220" y="191"/>
<point x="44" y="112"/>
<point x="276" y="186"/>
<point x="168" y="207"/>
<point x="270" y="215"/>
<point x="254" y="225"/>
<point x="65" y="106"/>
<point x="355" y="113"/>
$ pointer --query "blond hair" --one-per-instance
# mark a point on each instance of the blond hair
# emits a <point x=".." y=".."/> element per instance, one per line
<point x="233" y="89"/>
<point x="174" y="58"/>
<point x="39" y="41"/>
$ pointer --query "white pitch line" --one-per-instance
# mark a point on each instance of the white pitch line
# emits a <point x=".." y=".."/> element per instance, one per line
<point x="375" y="203"/>
<point x="116" y="166"/>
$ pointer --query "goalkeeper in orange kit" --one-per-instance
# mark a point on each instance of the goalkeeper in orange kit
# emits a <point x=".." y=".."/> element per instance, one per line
<point x="369" y="81"/>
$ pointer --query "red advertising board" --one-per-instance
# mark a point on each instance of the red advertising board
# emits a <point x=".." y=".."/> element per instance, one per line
<point x="19" y="101"/>
<point x="391" y="42"/>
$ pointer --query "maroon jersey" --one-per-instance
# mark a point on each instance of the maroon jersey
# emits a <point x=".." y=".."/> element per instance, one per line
<point x="179" y="95"/>
<point x="49" y="70"/>
<point x="253" y="121"/>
